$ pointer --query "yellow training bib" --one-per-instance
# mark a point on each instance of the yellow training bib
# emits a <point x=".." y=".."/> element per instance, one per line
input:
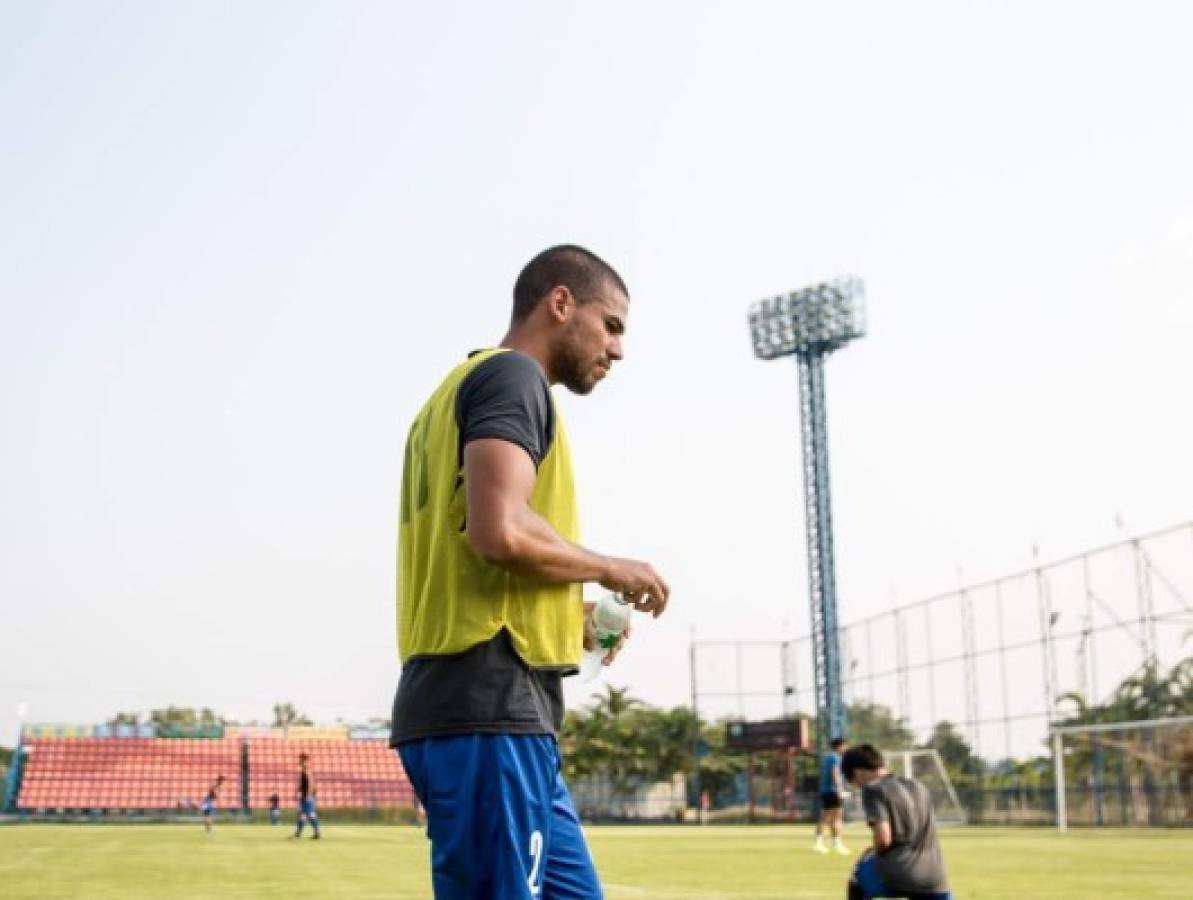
<point x="449" y="598"/>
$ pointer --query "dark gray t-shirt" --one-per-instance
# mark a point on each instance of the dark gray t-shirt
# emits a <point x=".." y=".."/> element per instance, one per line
<point x="913" y="861"/>
<point x="487" y="689"/>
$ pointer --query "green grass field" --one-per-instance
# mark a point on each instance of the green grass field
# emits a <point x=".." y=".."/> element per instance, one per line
<point x="172" y="862"/>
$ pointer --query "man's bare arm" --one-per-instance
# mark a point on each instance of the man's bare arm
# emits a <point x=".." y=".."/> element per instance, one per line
<point x="881" y="832"/>
<point x="505" y="531"/>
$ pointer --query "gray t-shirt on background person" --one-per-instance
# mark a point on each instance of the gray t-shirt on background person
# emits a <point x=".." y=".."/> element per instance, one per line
<point x="913" y="861"/>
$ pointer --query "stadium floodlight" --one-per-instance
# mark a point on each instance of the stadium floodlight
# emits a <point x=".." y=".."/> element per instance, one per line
<point x="809" y="324"/>
<point x="820" y="318"/>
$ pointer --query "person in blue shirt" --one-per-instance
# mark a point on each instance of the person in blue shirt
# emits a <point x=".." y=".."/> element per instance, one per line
<point x="832" y="797"/>
<point x="207" y="808"/>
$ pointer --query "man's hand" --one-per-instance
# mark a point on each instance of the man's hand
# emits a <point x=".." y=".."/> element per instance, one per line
<point x="590" y="640"/>
<point x="638" y="583"/>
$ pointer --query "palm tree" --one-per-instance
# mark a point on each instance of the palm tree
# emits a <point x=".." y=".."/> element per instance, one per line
<point x="616" y="702"/>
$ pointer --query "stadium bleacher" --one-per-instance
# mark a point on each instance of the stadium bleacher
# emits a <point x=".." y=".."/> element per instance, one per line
<point x="174" y="774"/>
<point x="127" y="773"/>
<point x="353" y="774"/>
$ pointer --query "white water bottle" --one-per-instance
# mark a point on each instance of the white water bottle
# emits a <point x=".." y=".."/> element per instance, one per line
<point x="607" y="621"/>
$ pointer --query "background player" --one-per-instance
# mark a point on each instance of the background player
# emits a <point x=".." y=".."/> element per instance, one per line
<point x="832" y="798"/>
<point x="208" y="806"/>
<point x="905" y="860"/>
<point x="306" y="798"/>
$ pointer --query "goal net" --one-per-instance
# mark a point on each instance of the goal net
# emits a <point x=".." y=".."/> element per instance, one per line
<point x="1124" y="773"/>
<point x="926" y="767"/>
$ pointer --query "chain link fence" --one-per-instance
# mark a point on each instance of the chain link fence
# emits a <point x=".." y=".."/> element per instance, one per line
<point x="1003" y="660"/>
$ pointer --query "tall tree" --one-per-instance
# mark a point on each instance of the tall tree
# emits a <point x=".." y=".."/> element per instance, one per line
<point x="873" y="723"/>
<point x="285" y="715"/>
<point x="956" y="754"/>
<point x="181" y="717"/>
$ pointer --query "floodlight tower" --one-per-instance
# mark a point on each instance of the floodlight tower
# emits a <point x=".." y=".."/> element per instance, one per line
<point x="810" y="324"/>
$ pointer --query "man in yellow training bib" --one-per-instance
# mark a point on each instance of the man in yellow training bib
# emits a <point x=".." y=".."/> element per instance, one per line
<point x="490" y="575"/>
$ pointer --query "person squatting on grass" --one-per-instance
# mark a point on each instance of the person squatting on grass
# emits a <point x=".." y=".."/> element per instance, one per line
<point x="905" y="859"/>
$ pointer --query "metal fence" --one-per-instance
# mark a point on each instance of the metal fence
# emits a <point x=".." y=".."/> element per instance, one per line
<point x="1001" y="659"/>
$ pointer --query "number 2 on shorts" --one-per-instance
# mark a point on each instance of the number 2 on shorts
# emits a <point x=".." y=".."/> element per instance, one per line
<point x="536" y="856"/>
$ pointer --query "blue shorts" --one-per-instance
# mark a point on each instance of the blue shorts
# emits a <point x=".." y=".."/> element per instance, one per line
<point x="500" y="820"/>
<point x="866" y="877"/>
<point x="307" y="806"/>
<point x="207" y="808"/>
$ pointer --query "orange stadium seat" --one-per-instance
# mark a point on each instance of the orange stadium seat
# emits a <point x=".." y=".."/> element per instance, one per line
<point x="348" y="773"/>
<point x="126" y="773"/>
<point x="164" y="773"/>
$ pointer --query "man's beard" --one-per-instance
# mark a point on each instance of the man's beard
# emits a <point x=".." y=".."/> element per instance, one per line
<point x="571" y="371"/>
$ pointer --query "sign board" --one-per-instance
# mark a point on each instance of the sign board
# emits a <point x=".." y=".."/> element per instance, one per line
<point x="775" y="734"/>
<point x="368" y="733"/>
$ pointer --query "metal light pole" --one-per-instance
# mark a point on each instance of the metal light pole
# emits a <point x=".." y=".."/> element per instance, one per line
<point x="809" y="324"/>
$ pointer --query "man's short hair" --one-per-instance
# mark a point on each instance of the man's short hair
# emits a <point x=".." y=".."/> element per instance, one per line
<point x="863" y="756"/>
<point x="837" y="743"/>
<point x="566" y="265"/>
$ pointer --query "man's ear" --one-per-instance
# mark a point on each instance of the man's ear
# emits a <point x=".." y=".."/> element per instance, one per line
<point x="560" y="303"/>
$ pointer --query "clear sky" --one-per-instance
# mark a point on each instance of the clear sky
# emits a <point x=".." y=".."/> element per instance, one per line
<point x="240" y="242"/>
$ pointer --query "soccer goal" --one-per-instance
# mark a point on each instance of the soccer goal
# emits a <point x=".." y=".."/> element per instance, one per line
<point x="926" y="767"/>
<point x="1124" y="773"/>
